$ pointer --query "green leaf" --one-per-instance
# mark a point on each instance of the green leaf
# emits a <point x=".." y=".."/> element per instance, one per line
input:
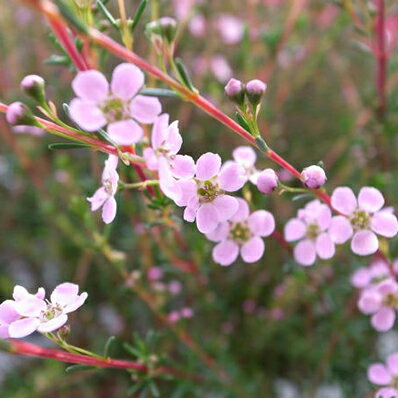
<point x="158" y="92"/>
<point x="242" y="122"/>
<point x="135" y="388"/>
<point x="107" y="14"/>
<point x="131" y="350"/>
<point x="184" y="76"/>
<point x="108" y="345"/>
<point x="302" y="196"/>
<point x="77" y="368"/>
<point x="138" y="14"/>
<point x="67" y="145"/>
<point x="70" y="16"/>
<point x="55" y="59"/>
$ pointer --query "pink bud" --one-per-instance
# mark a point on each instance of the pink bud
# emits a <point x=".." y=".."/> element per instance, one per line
<point x="267" y="181"/>
<point x="234" y="91"/>
<point x="33" y="85"/>
<point x="187" y="312"/>
<point x="313" y="177"/>
<point x="18" y="113"/>
<point x="255" y="89"/>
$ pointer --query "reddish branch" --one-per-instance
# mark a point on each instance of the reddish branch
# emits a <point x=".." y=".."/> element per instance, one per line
<point x="381" y="57"/>
<point x="27" y="349"/>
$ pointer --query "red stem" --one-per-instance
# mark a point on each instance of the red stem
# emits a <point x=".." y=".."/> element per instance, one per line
<point x="60" y="30"/>
<point x="27" y="349"/>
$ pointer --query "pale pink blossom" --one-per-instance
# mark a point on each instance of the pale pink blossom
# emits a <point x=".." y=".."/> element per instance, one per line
<point x="230" y="27"/>
<point x="28" y="313"/>
<point x="310" y="229"/>
<point x="117" y="105"/>
<point x="197" y="25"/>
<point x="204" y="195"/>
<point x="313" y="176"/>
<point x="105" y="196"/>
<point x="380" y="301"/>
<point x="246" y="157"/>
<point x="220" y="68"/>
<point x="242" y="234"/>
<point x="385" y="375"/>
<point x="363" y="219"/>
<point x="267" y="181"/>
<point x="374" y="273"/>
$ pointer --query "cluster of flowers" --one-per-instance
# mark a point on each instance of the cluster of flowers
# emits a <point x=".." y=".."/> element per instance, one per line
<point x="28" y="313"/>
<point x="359" y="220"/>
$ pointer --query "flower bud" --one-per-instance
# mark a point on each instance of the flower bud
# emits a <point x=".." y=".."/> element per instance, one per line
<point x="234" y="90"/>
<point x="255" y="89"/>
<point x="164" y="27"/>
<point x="19" y="114"/>
<point x="33" y="85"/>
<point x="267" y="181"/>
<point x="313" y="176"/>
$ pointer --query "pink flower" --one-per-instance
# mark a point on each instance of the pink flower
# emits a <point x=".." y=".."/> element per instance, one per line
<point x="204" y="195"/>
<point x="310" y="228"/>
<point x="374" y="273"/>
<point x="166" y="142"/>
<point x="364" y="219"/>
<point x="385" y="375"/>
<point x="28" y="313"/>
<point x="220" y="68"/>
<point x="105" y="196"/>
<point x="116" y="105"/>
<point x="246" y="157"/>
<point x="380" y="301"/>
<point x="242" y="234"/>
<point x="197" y="25"/>
<point x="231" y="28"/>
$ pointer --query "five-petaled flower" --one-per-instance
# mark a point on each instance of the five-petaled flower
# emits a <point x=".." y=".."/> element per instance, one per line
<point x="242" y="234"/>
<point x="385" y="375"/>
<point x="117" y="105"/>
<point x="28" y="313"/>
<point x="362" y="219"/>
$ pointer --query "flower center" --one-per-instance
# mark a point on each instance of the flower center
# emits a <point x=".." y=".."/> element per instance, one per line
<point x="115" y="109"/>
<point x="240" y="232"/>
<point x="51" y="312"/>
<point x="391" y="300"/>
<point x="313" y="231"/>
<point x="208" y="191"/>
<point x="360" y="220"/>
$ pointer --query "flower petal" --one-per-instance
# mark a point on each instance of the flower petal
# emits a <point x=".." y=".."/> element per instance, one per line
<point x="8" y="313"/>
<point x="145" y="109"/>
<point x="245" y="156"/>
<point x="78" y="302"/>
<point x="225" y="253"/>
<point x="370" y="199"/>
<point x="64" y="294"/>
<point x="187" y="189"/>
<point x="383" y="320"/>
<point x="220" y="233"/>
<point x="392" y="364"/>
<point x="30" y="307"/>
<point x="208" y="166"/>
<point x="325" y="246"/>
<point x="86" y="114"/>
<point x="261" y="223"/>
<point x="174" y="139"/>
<point x="369" y="302"/>
<point x="387" y="392"/>
<point x="252" y="250"/>
<point x="344" y="200"/>
<point x="384" y="224"/>
<point x="183" y="166"/>
<point x="127" y="79"/>
<point x="364" y="243"/>
<point x="207" y="218"/>
<point x="294" y="230"/>
<point x="91" y="85"/>
<point x="109" y="210"/>
<point x="23" y="327"/>
<point x="226" y="206"/>
<point x="125" y="132"/>
<point x="379" y="374"/>
<point x="98" y="199"/>
<point x="53" y="324"/>
<point x="243" y="211"/>
<point x="232" y="177"/>
<point x="305" y="253"/>
<point x="340" y="229"/>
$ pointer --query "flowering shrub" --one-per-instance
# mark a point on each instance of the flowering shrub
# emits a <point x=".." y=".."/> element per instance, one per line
<point x="180" y="197"/>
